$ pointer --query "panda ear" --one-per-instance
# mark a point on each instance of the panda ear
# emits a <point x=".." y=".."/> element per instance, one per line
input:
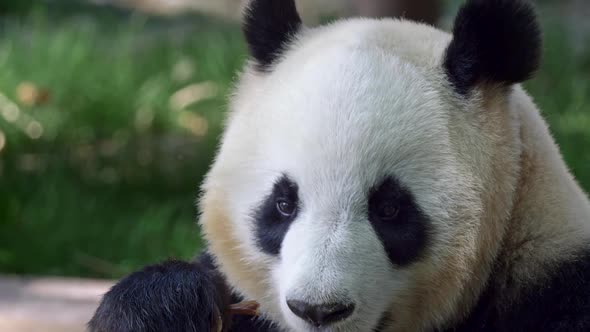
<point x="497" y="41"/>
<point x="268" y="26"/>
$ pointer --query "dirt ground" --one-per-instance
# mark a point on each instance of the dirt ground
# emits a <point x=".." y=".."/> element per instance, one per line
<point x="48" y="304"/>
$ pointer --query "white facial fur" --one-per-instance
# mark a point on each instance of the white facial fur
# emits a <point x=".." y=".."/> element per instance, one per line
<point x="348" y="105"/>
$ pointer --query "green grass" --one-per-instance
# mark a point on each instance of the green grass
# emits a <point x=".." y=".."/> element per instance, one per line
<point x="110" y="184"/>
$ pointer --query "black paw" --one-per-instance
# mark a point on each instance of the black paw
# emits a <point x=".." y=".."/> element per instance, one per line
<point x="173" y="296"/>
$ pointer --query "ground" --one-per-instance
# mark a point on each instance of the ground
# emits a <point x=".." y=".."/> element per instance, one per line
<point x="48" y="304"/>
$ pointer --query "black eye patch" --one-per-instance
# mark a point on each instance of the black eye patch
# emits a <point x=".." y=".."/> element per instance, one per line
<point x="272" y="223"/>
<point x="398" y="221"/>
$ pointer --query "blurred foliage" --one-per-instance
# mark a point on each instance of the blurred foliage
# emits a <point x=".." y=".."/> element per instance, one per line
<point x="108" y="121"/>
<point x="15" y="6"/>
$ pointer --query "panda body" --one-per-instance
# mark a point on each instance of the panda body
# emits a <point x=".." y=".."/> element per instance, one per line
<point x="382" y="175"/>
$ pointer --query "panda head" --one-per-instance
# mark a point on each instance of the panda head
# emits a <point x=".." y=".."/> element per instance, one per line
<point x="368" y="167"/>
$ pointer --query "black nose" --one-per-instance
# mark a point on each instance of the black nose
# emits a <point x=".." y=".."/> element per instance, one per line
<point x="320" y="314"/>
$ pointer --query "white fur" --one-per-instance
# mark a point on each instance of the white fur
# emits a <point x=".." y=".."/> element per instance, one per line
<point x="347" y="105"/>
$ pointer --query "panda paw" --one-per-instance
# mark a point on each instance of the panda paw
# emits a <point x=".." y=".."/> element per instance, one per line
<point x="172" y="296"/>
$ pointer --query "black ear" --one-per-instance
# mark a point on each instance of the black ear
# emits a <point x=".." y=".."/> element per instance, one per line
<point x="495" y="41"/>
<point x="268" y="26"/>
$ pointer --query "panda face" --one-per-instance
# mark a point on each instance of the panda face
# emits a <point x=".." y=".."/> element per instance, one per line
<point x="344" y="184"/>
<point x="367" y="167"/>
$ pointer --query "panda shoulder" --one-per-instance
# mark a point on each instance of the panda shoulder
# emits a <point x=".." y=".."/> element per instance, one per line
<point x="558" y="300"/>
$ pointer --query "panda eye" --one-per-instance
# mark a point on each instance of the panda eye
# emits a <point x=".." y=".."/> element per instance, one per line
<point x="387" y="211"/>
<point x="285" y="207"/>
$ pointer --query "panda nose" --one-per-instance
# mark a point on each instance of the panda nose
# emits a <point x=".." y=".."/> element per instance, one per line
<point x="320" y="314"/>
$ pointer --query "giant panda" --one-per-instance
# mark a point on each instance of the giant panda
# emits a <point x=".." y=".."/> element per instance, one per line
<point x="379" y="175"/>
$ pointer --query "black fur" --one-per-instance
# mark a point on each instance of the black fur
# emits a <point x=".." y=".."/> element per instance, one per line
<point x="172" y="296"/>
<point x="271" y="225"/>
<point x="268" y="26"/>
<point x="495" y="41"/>
<point x="405" y="236"/>
<point x="238" y="323"/>
<point x="562" y="303"/>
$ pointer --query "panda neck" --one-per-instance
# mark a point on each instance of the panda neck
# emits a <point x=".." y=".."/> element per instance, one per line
<point x="543" y="260"/>
<point x="550" y="219"/>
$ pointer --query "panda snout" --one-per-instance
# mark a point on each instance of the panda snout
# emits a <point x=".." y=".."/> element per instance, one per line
<point x="321" y="314"/>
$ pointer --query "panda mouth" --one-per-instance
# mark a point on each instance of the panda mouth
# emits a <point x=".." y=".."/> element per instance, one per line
<point x="384" y="322"/>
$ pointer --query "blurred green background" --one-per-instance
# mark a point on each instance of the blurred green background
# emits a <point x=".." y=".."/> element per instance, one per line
<point x="109" y="119"/>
